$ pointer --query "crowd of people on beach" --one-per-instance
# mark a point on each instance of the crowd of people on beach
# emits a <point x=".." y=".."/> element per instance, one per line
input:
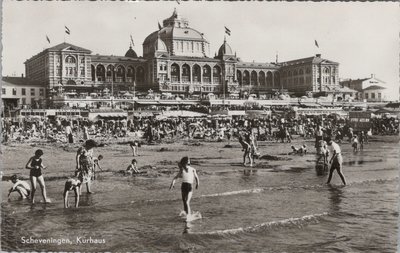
<point x="278" y="128"/>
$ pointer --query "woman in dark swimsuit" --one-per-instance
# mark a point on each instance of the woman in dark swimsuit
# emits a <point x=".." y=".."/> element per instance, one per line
<point x="35" y="165"/>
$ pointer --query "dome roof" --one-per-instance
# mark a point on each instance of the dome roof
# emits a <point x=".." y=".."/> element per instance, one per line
<point x="225" y="49"/>
<point x="176" y="30"/>
<point x="159" y="45"/>
<point x="173" y="33"/>
<point x="130" y="53"/>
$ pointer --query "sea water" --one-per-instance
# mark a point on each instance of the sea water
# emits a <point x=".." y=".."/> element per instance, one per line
<point x="276" y="206"/>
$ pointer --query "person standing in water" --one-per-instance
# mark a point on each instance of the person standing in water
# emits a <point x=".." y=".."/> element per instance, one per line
<point x="35" y="165"/>
<point x="85" y="164"/>
<point x="336" y="160"/>
<point x="188" y="175"/>
<point x="246" y="148"/>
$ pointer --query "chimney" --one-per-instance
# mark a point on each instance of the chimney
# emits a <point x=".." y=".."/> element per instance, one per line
<point x="22" y="75"/>
<point x="318" y="55"/>
<point x="372" y="76"/>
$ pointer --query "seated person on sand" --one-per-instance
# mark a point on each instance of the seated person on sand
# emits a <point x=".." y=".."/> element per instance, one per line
<point x="132" y="168"/>
<point x="22" y="187"/>
<point x="72" y="184"/>
<point x="301" y="150"/>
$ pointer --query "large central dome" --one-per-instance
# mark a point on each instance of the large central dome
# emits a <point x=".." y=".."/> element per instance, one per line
<point x="180" y="39"/>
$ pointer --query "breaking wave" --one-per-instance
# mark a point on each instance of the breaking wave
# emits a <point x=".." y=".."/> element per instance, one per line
<point x="290" y="222"/>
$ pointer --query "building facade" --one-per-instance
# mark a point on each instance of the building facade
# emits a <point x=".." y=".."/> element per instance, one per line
<point x="20" y="92"/>
<point x="370" y="89"/>
<point x="309" y="75"/>
<point x="176" y="59"/>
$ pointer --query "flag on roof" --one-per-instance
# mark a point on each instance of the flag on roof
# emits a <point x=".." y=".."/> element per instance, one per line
<point x="67" y="31"/>
<point x="47" y="37"/>
<point x="133" y="44"/>
<point x="227" y="31"/>
<point x="316" y="43"/>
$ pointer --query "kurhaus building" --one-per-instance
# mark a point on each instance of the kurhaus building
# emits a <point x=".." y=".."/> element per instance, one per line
<point x="176" y="59"/>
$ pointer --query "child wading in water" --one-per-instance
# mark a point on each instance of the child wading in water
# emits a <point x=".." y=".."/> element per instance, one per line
<point x="85" y="163"/>
<point x="188" y="175"/>
<point x="35" y="164"/>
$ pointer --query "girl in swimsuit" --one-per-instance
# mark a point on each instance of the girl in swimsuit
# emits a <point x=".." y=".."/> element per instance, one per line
<point x="188" y="175"/>
<point x="35" y="165"/>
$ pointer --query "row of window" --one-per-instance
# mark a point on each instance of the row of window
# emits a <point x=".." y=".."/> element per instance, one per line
<point x="197" y="88"/>
<point x="308" y="71"/>
<point x="372" y="95"/>
<point x="23" y="91"/>
<point x="188" y="46"/>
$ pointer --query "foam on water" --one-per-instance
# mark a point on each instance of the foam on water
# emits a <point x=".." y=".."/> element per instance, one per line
<point x="300" y="221"/>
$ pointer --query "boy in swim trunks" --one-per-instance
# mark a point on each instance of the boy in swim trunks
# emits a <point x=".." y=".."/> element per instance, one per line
<point x="35" y="165"/>
<point x="22" y="187"/>
<point x="188" y="175"/>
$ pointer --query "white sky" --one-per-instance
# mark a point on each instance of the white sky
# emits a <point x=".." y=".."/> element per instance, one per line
<point x="362" y="37"/>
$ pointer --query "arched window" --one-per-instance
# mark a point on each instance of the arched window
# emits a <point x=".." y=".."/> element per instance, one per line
<point x="175" y="73"/>
<point x="185" y="73"/>
<point x="100" y="73"/>
<point x="261" y="78"/>
<point x="246" y="77"/>
<point x="269" y="79"/>
<point x="253" y="79"/>
<point x="206" y="74"/>
<point x="70" y="59"/>
<point x="239" y="77"/>
<point x="216" y="74"/>
<point x="301" y="72"/>
<point x="130" y="75"/>
<point x="110" y="75"/>
<point x="120" y="75"/>
<point x="196" y="76"/>
<point x="70" y="66"/>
